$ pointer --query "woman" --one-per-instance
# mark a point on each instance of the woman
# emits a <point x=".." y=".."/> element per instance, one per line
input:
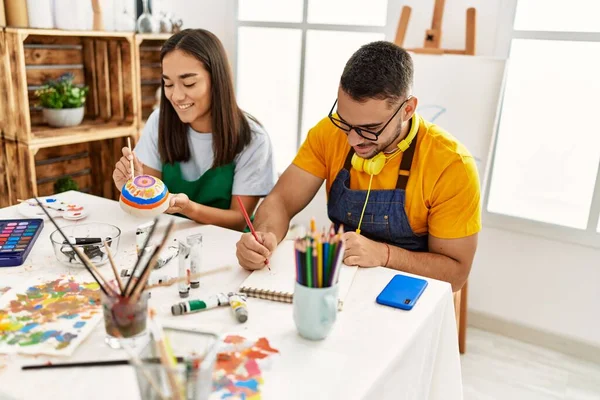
<point x="199" y="142"/>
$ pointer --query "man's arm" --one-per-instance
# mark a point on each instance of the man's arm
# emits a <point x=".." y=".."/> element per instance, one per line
<point x="447" y="260"/>
<point x="231" y="218"/>
<point x="293" y="191"/>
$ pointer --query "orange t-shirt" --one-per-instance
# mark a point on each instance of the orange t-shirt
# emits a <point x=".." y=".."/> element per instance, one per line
<point x="442" y="193"/>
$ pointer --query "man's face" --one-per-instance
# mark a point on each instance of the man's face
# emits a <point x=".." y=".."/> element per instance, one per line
<point x="372" y="114"/>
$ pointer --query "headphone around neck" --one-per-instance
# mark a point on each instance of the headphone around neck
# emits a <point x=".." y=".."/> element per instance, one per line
<point x="374" y="166"/>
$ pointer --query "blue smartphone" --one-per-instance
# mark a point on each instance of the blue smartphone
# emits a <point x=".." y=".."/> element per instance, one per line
<point x="402" y="292"/>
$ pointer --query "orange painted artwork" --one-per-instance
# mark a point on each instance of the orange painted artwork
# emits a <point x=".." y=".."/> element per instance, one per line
<point x="239" y="371"/>
<point x="48" y="318"/>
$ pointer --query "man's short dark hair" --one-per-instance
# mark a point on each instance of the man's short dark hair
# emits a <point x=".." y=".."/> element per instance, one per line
<point x="378" y="70"/>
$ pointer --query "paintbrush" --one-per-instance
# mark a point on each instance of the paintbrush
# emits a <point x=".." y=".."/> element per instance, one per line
<point x="131" y="161"/>
<point x="114" y="267"/>
<point x="75" y="249"/>
<point x="49" y="206"/>
<point x="107" y="363"/>
<point x="141" y="283"/>
<point x="185" y="278"/>
<point x="143" y="252"/>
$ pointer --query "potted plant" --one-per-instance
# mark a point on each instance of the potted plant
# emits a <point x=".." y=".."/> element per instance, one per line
<point x="64" y="184"/>
<point x="62" y="102"/>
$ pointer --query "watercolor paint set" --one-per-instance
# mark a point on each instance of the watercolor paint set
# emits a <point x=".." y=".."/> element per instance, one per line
<point x="17" y="237"/>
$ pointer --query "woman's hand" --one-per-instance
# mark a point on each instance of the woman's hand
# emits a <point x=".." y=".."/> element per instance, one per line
<point x="178" y="204"/>
<point x="122" y="172"/>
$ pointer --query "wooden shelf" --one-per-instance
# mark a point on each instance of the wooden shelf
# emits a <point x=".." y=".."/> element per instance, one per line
<point x="46" y="136"/>
<point x="33" y="155"/>
<point x="62" y="32"/>
<point x="123" y="73"/>
<point x="152" y="36"/>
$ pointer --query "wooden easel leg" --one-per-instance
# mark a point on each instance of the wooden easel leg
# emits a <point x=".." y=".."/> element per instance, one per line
<point x="433" y="36"/>
<point x="402" y="26"/>
<point x="470" y="32"/>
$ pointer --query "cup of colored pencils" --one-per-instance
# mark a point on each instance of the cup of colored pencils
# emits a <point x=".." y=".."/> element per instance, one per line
<point x="318" y="263"/>
<point x="318" y="258"/>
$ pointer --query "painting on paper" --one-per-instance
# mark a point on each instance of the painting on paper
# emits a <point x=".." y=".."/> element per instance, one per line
<point x="239" y="370"/>
<point x="50" y="318"/>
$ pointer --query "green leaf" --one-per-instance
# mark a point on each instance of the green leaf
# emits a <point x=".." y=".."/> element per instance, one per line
<point x="61" y="93"/>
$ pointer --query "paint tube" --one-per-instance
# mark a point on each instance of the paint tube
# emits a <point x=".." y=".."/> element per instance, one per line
<point x="184" y="269"/>
<point x="163" y="259"/>
<point x="239" y="306"/>
<point x="190" y="306"/>
<point x="141" y="235"/>
<point x="154" y="279"/>
<point x="195" y="243"/>
<point x="170" y="253"/>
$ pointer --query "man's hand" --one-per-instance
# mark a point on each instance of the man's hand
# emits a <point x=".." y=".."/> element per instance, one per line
<point x="178" y="203"/>
<point x="362" y="251"/>
<point x="252" y="254"/>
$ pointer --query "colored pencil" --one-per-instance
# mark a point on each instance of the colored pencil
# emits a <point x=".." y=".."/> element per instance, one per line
<point x="317" y="257"/>
<point x="249" y="223"/>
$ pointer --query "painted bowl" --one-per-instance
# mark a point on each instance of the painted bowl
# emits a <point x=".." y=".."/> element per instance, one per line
<point x="144" y="196"/>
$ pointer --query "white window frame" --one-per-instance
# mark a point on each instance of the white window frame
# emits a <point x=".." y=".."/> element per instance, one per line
<point x="588" y="237"/>
<point x="304" y="26"/>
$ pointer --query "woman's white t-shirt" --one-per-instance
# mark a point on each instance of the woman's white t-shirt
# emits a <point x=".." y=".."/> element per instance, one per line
<point x="254" y="166"/>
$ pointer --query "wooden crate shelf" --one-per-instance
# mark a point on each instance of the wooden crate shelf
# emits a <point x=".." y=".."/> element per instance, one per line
<point x="26" y="171"/>
<point x="122" y="70"/>
<point x="104" y="61"/>
<point x="149" y="72"/>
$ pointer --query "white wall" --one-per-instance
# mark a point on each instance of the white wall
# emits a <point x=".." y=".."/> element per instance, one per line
<point x="544" y="284"/>
<point x="217" y="16"/>
<point x="537" y="282"/>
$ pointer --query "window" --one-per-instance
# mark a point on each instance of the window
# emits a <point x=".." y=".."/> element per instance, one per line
<point x="290" y="56"/>
<point x="544" y="177"/>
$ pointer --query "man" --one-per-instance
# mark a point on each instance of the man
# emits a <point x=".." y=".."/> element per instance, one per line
<point x="405" y="191"/>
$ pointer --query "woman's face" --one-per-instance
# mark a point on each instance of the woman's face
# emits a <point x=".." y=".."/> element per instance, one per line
<point x="187" y="85"/>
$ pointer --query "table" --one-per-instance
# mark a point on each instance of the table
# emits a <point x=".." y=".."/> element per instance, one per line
<point x="373" y="352"/>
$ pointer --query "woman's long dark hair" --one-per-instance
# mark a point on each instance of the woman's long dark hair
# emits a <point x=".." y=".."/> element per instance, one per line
<point x="230" y="129"/>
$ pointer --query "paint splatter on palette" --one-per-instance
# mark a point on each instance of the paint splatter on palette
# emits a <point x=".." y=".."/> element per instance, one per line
<point x="50" y="318"/>
<point x="238" y="373"/>
<point x="4" y="289"/>
<point x="56" y="208"/>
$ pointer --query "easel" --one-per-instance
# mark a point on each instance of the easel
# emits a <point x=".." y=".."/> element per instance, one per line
<point x="431" y="45"/>
<point x="433" y="36"/>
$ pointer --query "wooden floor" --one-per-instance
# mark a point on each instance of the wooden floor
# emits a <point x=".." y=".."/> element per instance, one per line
<point x="497" y="367"/>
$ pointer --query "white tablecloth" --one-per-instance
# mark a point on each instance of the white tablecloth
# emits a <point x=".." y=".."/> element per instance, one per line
<point x="373" y="352"/>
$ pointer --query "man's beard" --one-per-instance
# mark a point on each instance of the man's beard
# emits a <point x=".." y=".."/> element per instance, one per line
<point x="384" y="146"/>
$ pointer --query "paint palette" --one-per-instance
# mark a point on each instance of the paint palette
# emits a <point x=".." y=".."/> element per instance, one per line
<point x="56" y="208"/>
<point x="17" y="237"/>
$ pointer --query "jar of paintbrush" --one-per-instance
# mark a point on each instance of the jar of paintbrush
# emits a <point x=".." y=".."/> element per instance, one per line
<point x="125" y="320"/>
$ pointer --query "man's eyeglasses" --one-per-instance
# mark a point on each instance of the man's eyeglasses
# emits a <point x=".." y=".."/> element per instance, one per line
<point x="362" y="132"/>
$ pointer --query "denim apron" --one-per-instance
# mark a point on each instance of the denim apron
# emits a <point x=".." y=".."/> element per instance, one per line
<point x="385" y="218"/>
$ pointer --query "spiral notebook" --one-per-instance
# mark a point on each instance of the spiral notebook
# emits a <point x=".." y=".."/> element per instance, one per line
<point x="278" y="284"/>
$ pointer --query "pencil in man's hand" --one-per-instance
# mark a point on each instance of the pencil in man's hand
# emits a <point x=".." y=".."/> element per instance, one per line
<point x="249" y="223"/>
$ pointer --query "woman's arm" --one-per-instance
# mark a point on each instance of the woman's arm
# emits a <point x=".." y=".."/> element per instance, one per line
<point x="233" y="218"/>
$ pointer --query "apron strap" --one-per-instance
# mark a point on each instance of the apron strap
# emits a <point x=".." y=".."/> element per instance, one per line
<point x="405" y="164"/>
